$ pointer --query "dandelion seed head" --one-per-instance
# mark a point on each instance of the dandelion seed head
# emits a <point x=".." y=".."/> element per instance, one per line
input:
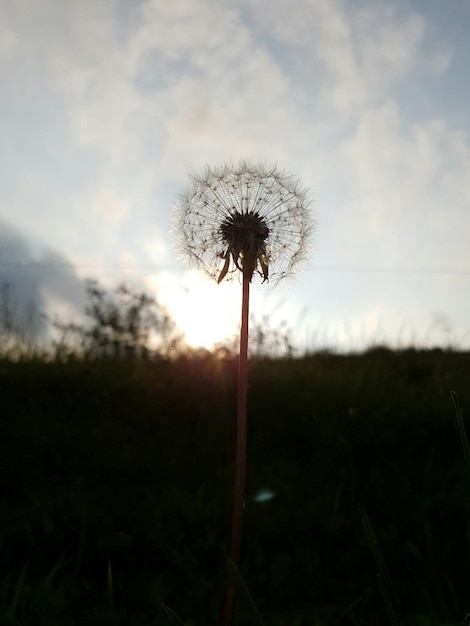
<point x="249" y="217"/>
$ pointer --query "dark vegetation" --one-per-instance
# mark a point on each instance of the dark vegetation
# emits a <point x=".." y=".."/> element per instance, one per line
<point x="116" y="479"/>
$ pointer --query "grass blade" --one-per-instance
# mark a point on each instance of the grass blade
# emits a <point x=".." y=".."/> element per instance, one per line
<point x="390" y="606"/>
<point x="244" y="596"/>
<point x="18" y="591"/>
<point x="12" y="619"/>
<point x="171" y="615"/>
<point x="110" y="593"/>
<point x="383" y="577"/>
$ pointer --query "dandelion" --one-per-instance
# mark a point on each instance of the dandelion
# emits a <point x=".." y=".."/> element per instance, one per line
<point x="248" y="219"/>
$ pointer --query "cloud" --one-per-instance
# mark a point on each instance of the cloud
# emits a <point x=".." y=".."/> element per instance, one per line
<point x="198" y="81"/>
<point x="109" y="207"/>
<point x="407" y="192"/>
<point x="32" y="279"/>
<point x="351" y="55"/>
<point x="189" y="73"/>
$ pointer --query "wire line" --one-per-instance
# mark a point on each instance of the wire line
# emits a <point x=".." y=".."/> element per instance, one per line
<point x="326" y="269"/>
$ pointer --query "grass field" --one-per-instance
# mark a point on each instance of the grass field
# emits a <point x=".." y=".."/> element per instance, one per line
<point x="116" y="488"/>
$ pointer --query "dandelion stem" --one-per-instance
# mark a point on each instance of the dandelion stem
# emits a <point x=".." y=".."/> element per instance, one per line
<point x="240" y="460"/>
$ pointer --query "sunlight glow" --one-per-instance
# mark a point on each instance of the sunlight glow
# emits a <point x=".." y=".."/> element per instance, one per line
<point x="206" y="312"/>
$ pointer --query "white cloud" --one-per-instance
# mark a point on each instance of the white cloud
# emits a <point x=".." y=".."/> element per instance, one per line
<point x="408" y="192"/>
<point x="230" y="99"/>
<point x="194" y="81"/>
<point x="352" y="56"/>
<point x="155" y="246"/>
<point x="109" y="207"/>
<point x="189" y="84"/>
<point x="190" y="74"/>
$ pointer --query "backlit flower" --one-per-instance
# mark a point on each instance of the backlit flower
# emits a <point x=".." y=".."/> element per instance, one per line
<point x="249" y="218"/>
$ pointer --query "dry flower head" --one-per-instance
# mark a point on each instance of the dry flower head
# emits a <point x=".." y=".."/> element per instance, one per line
<point x="250" y="218"/>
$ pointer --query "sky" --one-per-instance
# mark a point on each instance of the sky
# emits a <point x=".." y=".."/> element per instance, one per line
<point x="106" y="107"/>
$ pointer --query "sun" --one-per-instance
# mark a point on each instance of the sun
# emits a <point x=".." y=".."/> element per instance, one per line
<point x="205" y="312"/>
